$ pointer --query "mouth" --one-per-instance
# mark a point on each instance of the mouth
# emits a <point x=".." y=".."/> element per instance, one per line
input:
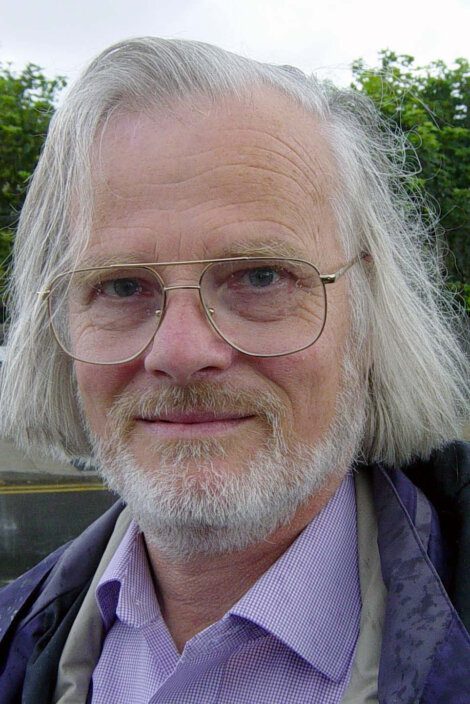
<point x="192" y="425"/>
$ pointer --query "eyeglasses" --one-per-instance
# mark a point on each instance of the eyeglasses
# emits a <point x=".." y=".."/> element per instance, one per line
<point x="261" y="306"/>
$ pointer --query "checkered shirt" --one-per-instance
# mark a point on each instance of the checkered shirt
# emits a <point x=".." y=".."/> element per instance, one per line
<point x="289" y="640"/>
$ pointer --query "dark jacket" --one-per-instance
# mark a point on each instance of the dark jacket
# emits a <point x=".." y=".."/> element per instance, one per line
<point x="425" y="656"/>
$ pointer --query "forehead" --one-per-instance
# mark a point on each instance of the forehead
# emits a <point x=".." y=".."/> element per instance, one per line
<point x="207" y="174"/>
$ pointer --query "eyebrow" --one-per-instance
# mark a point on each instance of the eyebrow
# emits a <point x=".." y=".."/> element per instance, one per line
<point x="99" y="260"/>
<point x="273" y="247"/>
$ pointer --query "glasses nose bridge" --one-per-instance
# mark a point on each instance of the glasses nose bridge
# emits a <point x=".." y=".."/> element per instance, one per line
<point x="177" y="286"/>
<point x="194" y="287"/>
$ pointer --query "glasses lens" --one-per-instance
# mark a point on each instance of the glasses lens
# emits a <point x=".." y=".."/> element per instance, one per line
<point x="265" y="306"/>
<point x="106" y="316"/>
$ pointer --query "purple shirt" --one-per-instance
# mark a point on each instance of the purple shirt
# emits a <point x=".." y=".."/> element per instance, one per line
<point x="290" y="639"/>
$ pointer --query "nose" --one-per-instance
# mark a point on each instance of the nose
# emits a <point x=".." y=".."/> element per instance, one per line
<point x="185" y="347"/>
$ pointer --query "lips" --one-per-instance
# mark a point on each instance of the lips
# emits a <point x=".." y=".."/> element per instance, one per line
<point x="194" y="417"/>
<point x="192" y="424"/>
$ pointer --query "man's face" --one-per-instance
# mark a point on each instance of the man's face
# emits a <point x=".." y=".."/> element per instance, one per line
<point x="208" y="183"/>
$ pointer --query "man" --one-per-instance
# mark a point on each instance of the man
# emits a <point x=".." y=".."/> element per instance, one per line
<point x="236" y="315"/>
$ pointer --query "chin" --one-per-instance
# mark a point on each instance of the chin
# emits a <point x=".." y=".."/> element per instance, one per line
<point x="195" y="501"/>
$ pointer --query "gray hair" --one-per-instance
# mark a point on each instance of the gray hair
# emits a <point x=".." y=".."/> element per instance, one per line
<point x="407" y="327"/>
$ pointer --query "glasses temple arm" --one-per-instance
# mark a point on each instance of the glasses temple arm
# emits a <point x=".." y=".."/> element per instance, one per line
<point x="331" y="278"/>
<point x="43" y="295"/>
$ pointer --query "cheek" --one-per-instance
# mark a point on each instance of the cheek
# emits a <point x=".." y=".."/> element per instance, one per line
<point x="309" y="379"/>
<point x="98" y="387"/>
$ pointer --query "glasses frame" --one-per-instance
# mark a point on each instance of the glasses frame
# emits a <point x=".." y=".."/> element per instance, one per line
<point x="45" y="295"/>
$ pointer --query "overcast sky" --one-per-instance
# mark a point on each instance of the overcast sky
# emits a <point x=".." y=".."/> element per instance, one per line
<point x="323" y="37"/>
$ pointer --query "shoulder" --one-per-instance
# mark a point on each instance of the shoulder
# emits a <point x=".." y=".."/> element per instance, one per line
<point x="65" y="569"/>
<point x="445" y="480"/>
<point x="39" y="607"/>
<point x="445" y="474"/>
<point x="429" y="500"/>
<point x="425" y="647"/>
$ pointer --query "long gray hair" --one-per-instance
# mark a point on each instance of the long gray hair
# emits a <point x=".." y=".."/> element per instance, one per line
<point x="406" y="325"/>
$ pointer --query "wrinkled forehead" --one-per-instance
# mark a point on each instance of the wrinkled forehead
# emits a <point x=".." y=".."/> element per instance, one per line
<point x="264" y="122"/>
<point x="248" y="159"/>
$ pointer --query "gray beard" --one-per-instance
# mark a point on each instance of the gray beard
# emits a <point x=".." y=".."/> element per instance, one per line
<point x="185" y="513"/>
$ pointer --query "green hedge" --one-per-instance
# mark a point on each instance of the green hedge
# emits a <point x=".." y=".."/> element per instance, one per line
<point x="462" y="292"/>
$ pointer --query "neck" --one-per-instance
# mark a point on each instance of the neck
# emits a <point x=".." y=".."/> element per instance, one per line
<point x="195" y="593"/>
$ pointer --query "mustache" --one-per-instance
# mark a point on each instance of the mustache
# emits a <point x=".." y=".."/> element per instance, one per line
<point x="202" y="397"/>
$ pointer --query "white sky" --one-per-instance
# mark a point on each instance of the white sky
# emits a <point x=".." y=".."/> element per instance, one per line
<point x="324" y="37"/>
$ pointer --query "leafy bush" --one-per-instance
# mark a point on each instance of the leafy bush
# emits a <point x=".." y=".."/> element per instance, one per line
<point x="431" y="104"/>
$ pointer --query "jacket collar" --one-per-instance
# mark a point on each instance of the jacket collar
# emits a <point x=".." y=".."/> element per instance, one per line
<point x="421" y="624"/>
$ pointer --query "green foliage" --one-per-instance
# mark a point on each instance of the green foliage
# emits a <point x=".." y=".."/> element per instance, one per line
<point x="27" y="102"/>
<point x="6" y="243"/>
<point x="462" y="292"/>
<point x="431" y="104"/>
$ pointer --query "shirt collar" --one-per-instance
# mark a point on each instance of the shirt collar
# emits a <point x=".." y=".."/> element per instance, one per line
<point x="310" y="598"/>
<point x="126" y="588"/>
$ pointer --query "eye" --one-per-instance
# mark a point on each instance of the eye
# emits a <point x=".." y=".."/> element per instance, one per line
<point x="262" y="277"/>
<point x="257" y="278"/>
<point x="120" y="288"/>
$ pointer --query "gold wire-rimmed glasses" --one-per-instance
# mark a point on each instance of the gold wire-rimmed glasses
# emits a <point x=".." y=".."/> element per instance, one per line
<point x="261" y="306"/>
